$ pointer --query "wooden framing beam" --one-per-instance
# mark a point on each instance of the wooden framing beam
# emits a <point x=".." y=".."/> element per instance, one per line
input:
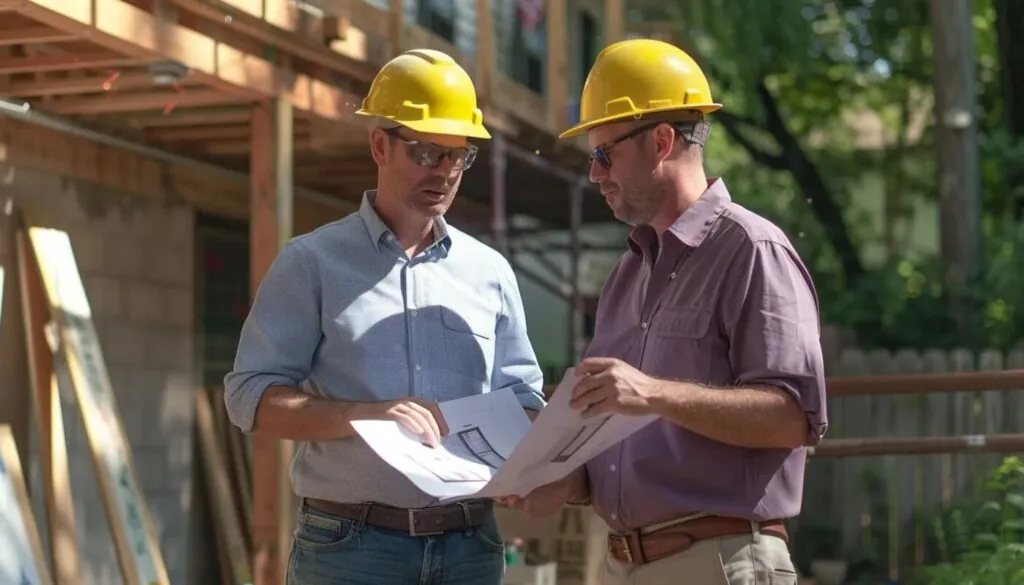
<point x="46" y="63"/>
<point x="195" y="117"/>
<point x="119" y="170"/>
<point x="396" y="26"/>
<point x="556" y="88"/>
<point x="614" y="21"/>
<point x="36" y="34"/>
<point x="485" y="54"/>
<point x="270" y="226"/>
<point x="280" y="23"/>
<point x="121" y="27"/>
<point x="240" y="132"/>
<point x="126" y="102"/>
<point x="46" y="150"/>
<point x="77" y="85"/>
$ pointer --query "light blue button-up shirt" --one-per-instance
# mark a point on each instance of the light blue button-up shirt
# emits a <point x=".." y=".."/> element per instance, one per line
<point x="345" y="314"/>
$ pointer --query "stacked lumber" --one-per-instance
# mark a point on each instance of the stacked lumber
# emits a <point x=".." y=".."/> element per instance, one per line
<point x="225" y="459"/>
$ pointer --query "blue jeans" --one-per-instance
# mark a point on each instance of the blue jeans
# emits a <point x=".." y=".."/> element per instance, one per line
<point x="330" y="550"/>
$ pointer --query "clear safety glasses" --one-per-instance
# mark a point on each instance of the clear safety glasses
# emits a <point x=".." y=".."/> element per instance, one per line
<point x="428" y="154"/>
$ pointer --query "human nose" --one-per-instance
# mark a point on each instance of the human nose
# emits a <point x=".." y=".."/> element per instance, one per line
<point x="598" y="172"/>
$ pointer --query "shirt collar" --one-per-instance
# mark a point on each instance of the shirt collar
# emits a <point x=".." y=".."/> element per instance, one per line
<point x="693" y="224"/>
<point x="377" y="229"/>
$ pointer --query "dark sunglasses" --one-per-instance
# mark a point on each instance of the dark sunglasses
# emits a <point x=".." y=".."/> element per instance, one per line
<point x="601" y="153"/>
<point x="428" y="154"/>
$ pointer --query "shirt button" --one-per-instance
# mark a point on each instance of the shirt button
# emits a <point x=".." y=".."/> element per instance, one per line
<point x="671" y="276"/>
<point x="643" y="325"/>
<point x="612" y="467"/>
<point x="413" y="312"/>
<point x="615" y="516"/>
<point x="418" y="367"/>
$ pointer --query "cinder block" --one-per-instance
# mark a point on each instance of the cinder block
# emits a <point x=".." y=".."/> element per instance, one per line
<point x="170" y="348"/>
<point x="180" y="227"/>
<point x="179" y="307"/>
<point x="123" y="343"/>
<point x="146" y="220"/>
<point x="170" y="264"/>
<point x="106" y="295"/>
<point x="145" y="302"/>
<point x="87" y="244"/>
<point x="123" y="256"/>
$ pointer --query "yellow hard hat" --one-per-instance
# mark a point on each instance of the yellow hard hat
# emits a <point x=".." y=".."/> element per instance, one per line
<point x="639" y="77"/>
<point x="426" y="91"/>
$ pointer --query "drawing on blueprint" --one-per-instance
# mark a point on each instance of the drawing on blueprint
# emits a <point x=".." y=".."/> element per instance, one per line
<point x="447" y="471"/>
<point x="473" y="442"/>
<point x="572" y="442"/>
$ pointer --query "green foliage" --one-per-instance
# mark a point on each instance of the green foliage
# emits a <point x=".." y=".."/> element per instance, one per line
<point x="826" y="63"/>
<point x="983" y="543"/>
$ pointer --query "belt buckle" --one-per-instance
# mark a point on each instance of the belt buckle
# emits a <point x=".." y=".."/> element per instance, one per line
<point x="624" y="541"/>
<point x="412" y="526"/>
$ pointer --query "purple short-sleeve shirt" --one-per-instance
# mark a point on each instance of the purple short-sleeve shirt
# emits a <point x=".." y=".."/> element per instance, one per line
<point x="722" y="299"/>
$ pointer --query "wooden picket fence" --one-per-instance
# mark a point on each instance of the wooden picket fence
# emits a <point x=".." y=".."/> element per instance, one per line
<point x="881" y="503"/>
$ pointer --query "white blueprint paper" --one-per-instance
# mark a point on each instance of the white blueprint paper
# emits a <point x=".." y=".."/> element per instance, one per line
<point x="493" y="450"/>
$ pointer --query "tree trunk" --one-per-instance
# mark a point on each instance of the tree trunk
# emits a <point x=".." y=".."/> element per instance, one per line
<point x="1010" y="32"/>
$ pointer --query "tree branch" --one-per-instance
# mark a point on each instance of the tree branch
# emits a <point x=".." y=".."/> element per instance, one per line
<point x="812" y="185"/>
<point x="732" y="124"/>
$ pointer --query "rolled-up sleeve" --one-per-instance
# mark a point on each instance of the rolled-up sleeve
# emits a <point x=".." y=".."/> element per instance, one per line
<point x="771" y="316"/>
<point x="278" y="338"/>
<point x="515" y="363"/>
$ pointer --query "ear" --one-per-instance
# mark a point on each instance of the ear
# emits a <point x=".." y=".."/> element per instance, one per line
<point x="664" y="139"/>
<point x="379" y="146"/>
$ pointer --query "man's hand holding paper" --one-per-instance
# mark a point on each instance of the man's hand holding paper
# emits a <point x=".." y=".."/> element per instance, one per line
<point x="420" y="417"/>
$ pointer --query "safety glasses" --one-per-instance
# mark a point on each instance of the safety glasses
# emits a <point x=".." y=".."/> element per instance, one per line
<point x="601" y="152"/>
<point x="692" y="132"/>
<point x="428" y="154"/>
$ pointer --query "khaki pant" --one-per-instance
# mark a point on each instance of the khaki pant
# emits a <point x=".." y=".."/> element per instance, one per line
<point x="748" y="559"/>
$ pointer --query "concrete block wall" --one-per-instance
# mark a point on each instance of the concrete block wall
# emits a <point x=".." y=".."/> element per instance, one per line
<point x="136" y="260"/>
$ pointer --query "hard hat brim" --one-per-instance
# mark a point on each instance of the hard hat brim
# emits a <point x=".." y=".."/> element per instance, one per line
<point x="583" y="127"/>
<point x="439" y="126"/>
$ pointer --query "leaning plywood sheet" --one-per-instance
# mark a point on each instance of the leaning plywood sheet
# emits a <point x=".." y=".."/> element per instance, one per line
<point x="226" y="521"/>
<point x="41" y="343"/>
<point x="231" y="440"/>
<point x="134" y="535"/>
<point x="21" y="554"/>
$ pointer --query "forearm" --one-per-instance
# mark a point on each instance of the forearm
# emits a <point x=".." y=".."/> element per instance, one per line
<point x="754" y="417"/>
<point x="287" y="413"/>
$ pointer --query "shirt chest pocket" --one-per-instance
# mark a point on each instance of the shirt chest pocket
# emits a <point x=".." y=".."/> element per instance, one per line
<point x="468" y="340"/>
<point x="682" y="322"/>
<point x="680" y="344"/>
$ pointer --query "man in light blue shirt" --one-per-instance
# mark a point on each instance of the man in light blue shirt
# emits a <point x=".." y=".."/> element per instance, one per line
<point x="381" y="315"/>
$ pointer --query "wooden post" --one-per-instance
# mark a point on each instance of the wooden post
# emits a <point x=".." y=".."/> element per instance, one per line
<point x="64" y="558"/>
<point x="396" y="26"/>
<point x="484" y="53"/>
<point x="614" y="21"/>
<point x="499" y="167"/>
<point x="956" y="131"/>
<point x="577" y="341"/>
<point x="556" y="87"/>
<point x="15" y="401"/>
<point x="270" y="228"/>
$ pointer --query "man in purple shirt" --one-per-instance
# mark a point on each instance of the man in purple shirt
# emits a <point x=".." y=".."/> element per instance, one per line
<point x="710" y="321"/>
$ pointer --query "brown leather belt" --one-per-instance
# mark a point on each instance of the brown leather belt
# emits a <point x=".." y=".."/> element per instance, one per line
<point x="412" y="521"/>
<point x="638" y="548"/>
